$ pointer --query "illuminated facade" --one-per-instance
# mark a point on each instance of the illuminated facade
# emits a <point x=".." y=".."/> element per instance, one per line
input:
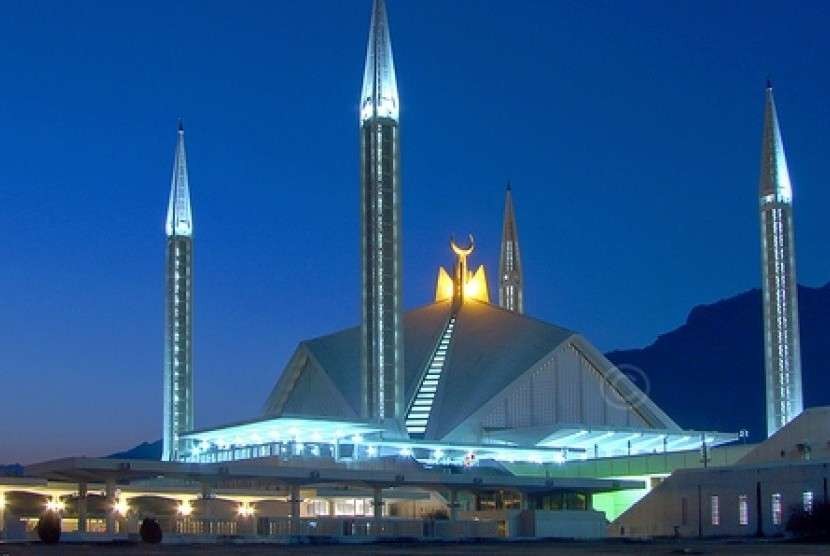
<point x="782" y="351"/>
<point x="382" y="342"/>
<point x="511" y="282"/>
<point x="479" y="380"/>
<point x="178" y="346"/>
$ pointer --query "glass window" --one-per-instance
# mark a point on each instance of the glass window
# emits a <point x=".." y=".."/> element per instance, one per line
<point x="743" y="510"/>
<point x="807" y="501"/>
<point x="776" y="509"/>
<point x="715" y="501"/>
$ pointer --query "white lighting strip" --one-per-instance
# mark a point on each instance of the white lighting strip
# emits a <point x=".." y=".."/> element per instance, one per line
<point x="416" y="420"/>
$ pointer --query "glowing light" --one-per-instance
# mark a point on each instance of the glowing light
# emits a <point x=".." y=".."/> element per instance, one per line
<point x="2" y="501"/>
<point x="559" y="457"/>
<point x="443" y="288"/>
<point x="475" y="285"/>
<point x="371" y="451"/>
<point x="121" y="507"/>
<point x="438" y="454"/>
<point x="54" y="505"/>
<point x="185" y="509"/>
<point x="246" y="510"/>
<point x="405" y="452"/>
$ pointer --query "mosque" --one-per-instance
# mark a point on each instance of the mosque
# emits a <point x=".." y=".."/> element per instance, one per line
<point x="465" y="417"/>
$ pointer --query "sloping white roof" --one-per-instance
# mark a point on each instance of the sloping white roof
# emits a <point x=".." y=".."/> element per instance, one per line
<point x="491" y="350"/>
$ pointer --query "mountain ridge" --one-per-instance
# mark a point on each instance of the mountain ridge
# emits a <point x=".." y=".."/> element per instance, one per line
<point x="716" y="359"/>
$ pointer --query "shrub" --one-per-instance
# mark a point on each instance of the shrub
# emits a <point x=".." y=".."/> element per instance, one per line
<point x="815" y="524"/>
<point x="150" y="531"/>
<point x="49" y="527"/>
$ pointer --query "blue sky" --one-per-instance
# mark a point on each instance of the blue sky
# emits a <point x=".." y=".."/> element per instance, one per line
<point x="630" y="131"/>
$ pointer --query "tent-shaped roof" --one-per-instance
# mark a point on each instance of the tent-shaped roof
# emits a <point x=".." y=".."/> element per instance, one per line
<point x="491" y="349"/>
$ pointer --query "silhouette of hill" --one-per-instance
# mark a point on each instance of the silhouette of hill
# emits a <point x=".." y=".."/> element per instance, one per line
<point x="13" y="470"/>
<point x="145" y="450"/>
<point x="708" y="374"/>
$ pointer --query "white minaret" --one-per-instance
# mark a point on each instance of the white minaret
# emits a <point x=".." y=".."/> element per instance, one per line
<point x="511" y="287"/>
<point x="178" y="345"/>
<point x="782" y="350"/>
<point x="380" y="201"/>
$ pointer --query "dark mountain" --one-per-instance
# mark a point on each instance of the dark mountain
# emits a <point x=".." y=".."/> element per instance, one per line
<point x="709" y="373"/>
<point x="145" y="450"/>
<point x="13" y="470"/>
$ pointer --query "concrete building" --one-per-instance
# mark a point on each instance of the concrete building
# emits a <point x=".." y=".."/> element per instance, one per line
<point x="459" y="418"/>
<point x="754" y="497"/>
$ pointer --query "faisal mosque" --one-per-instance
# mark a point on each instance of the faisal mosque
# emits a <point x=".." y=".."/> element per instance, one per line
<point x="465" y="417"/>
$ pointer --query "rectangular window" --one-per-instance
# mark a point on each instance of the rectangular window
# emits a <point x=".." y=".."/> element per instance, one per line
<point x="743" y="510"/>
<point x="807" y="501"/>
<point x="715" y="510"/>
<point x="776" y="509"/>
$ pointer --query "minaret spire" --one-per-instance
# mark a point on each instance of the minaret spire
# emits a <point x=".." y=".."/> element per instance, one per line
<point x="179" y="214"/>
<point x="782" y="347"/>
<point x="178" y="347"/>
<point x="381" y="329"/>
<point x="511" y="281"/>
<point x="379" y="95"/>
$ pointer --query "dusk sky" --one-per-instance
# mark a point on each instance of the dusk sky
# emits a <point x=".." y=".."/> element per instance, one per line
<point x="631" y="132"/>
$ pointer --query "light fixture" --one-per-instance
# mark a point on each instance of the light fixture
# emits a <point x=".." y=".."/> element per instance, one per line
<point x="185" y="509"/>
<point x="54" y="505"/>
<point x="246" y="510"/>
<point x="371" y="451"/>
<point x="121" y="507"/>
<point x="405" y="452"/>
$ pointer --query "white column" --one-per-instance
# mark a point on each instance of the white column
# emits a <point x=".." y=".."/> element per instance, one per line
<point x="2" y="513"/>
<point x="294" y="500"/>
<point x="377" y="503"/>
<point x="453" y="505"/>
<point x="110" y="498"/>
<point x="82" y="505"/>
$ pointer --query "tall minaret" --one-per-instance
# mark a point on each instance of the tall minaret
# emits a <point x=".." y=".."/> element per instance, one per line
<point x="511" y="294"/>
<point x="782" y="351"/>
<point x="178" y="344"/>
<point x="382" y="334"/>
